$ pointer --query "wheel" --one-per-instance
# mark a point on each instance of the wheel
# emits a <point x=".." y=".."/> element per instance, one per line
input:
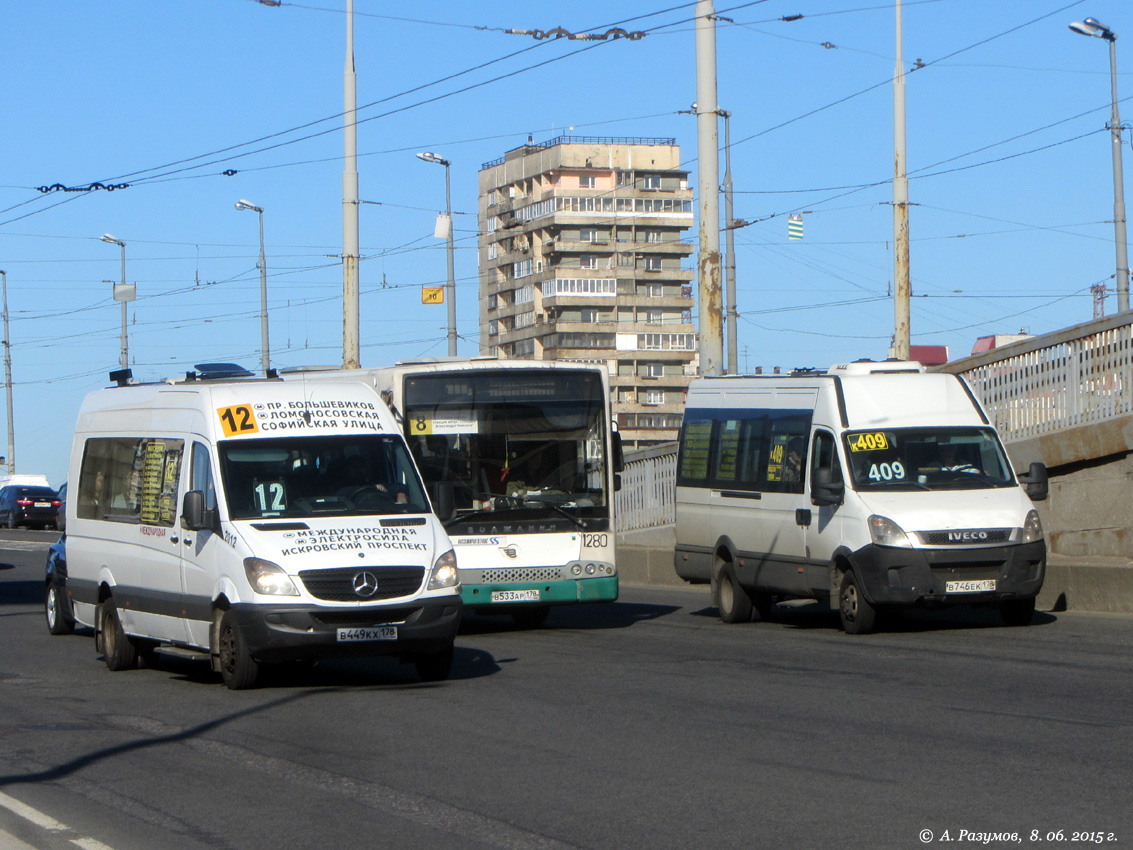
<point x="12" y="521"/>
<point x="238" y="668"/>
<point x="117" y="650"/>
<point x="147" y="651"/>
<point x="732" y="600"/>
<point x="59" y="619"/>
<point x="1017" y="612"/>
<point x="531" y="617"/>
<point x="434" y="667"/>
<point x="858" y="616"/>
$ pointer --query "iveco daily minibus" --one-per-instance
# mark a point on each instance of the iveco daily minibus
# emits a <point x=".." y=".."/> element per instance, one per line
<point x="873" y="485"/>
<point x="256" y="520"/>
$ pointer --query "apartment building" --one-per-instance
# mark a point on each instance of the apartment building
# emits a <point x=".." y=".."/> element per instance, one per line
<point x="585" y="255"/>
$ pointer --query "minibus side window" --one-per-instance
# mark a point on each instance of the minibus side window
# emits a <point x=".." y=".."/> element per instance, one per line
<point x="201" y="475"/>
<point x="786" y="459"/>
<point x="695" y="442"/>
<point x="130" y="479"/>
<point x="825" y="456"/>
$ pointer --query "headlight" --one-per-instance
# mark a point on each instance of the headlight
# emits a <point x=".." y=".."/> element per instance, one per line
<point x="885" y="532"/>
<point x="444" y="572"/>
<point x="268" y="578"/>
<point x="1032" y="528"/>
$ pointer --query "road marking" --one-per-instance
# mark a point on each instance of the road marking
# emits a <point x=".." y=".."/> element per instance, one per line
<point x="25" y="545"/>
<point x="47" y="822"/>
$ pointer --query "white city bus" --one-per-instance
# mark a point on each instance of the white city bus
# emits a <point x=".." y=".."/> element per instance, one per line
<point x="532" y="458"/>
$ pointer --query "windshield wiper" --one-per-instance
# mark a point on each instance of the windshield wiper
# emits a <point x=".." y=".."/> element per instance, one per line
<point x="559" y="510"/>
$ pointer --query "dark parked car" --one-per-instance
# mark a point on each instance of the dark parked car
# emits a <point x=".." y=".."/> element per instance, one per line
<point x="57" y="605"/>
<point x="61" y="521"/>
<point x="23" y="504"/>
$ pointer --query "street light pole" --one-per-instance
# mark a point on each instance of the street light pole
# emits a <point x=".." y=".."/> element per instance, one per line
<point x="124" y="357"/>
<point x="1094" y="27"/>
<point x="8" y="382"/>
<point x="450" y="287"/>
<point x="729" y="249"/>
<point x="264" y="350"/>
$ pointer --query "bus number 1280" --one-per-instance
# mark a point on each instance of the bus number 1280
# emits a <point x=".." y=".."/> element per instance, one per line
<point x="595" y="541"/>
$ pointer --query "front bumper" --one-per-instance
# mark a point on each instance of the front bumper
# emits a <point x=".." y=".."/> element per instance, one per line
<point x="297" y="632"/>
<point x="561" y="592"/>
<point x="898" y="576"/>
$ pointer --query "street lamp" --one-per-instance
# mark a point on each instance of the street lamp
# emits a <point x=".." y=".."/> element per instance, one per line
<point x="11" y="462"/>
<point x="450" y="295"/>
<point x="123" y="296"/>
<point x="248" y="205"/>
<point x="1094" y="27"/>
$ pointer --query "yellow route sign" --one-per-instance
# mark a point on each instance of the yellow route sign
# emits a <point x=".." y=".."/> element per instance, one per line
<point x="432" y="295"/>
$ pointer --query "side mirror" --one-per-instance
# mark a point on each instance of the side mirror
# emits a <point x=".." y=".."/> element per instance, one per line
<point x="619" y="455"/>
<point x="824" y="490"/>
<point x="193" y="511"/>
<point x="1036" y="482"/>
<point x="617" y="481"/>
<point x="444" y="500"/>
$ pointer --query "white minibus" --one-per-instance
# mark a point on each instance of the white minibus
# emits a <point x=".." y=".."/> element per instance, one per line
<point x="872" y="485"/>
<point x="255" y="520"/>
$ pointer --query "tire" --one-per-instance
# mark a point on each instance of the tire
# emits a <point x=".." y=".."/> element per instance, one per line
<point x="531" y="617"/>
<point x="12" y="521"/>
<point x="57" y="611"/>
<point x="117" y="650"/>
<point x="238" y="668"/>
<point x="434" y="667"/>
<point x="731" y="600"/>
<point x="1017" y="612"/>
<point x="858" y="616"/>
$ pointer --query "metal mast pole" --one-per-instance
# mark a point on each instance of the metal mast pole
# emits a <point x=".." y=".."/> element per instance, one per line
<point x="729" y="249"/>
<point x="708" y="168"/>
<point x="124" y="358"/>
<point x="1118" y="186"/>
<point x="902" y="288"/>
<point x="451" y="286"/>
<point x="264" y="355"/>
<point x="8" y="382"/>
<point x="350" y="250"/>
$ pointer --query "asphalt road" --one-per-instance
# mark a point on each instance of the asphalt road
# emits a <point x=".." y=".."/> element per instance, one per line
<point x="647" y="723"/>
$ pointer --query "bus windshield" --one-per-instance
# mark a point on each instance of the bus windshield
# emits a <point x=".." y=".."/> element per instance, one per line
<point x="300" y="477"/>
<point x="512" y="440"/>
<point x="927" y="459"/>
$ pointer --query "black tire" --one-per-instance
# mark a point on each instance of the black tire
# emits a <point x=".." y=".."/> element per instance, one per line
<point x="147" y="651"/>
<point x="238" y="668"/>
<point x="435" y="666"/>
<point x="1017" y="612"/>
<point x="58" y="612"/>
<point x="12" y="521"/>
<point x="531" y="617"/>
<point x="117" y="649"/>
<point x="858" y="616"/>
<point x="731" y="600"/>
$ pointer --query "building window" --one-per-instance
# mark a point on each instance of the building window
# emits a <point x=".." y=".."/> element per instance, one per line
<point x="580" y="286"/>
<point x="589" y="316"/>
<point x="493" y="327"/>
<point x="651" y="181"/>
<point x="654" y="317"/>
<point x="653" y="264"/>
<point x="492" y="301"/>
<point x="524" y="320"/>
<point x="588" y="261"/>
<point x="654" y="236"/>
<point x="665" y="342"/>
<point x="586" y="181"/>
<point x="655" y="290"/>
<point x="521" y="269"/>
<point x="654" y="397"/>
<point x="525" y="294"/>
<point x="493" y="250"/>
<point x="655" y="370"/>
<point x="587" y="234"/>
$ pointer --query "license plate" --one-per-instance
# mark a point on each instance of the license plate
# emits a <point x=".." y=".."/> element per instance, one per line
<point x="515" y="595"/>
<point x="378" y="633"/>
<point x="43" y="504"/>
<point x="970" y="586"/>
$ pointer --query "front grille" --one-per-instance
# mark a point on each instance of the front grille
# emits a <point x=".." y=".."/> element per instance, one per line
<point x="966" y="537"/>
<point x="337" y="585"/>
<point x="522" y="574"/>
<point x="363" y="618"/>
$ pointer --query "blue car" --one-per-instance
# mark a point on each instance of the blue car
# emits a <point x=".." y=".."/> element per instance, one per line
<point x="56" y="603"/>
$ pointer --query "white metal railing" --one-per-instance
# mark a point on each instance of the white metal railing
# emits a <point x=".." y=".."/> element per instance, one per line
<point x="648" y="494"/>
<point x="1079" y="376"/>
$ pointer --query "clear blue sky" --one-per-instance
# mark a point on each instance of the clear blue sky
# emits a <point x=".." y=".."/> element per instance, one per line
<point x="1008" y="156"/>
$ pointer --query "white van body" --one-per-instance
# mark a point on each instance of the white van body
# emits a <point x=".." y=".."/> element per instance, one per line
<point x="25" y="479"/>
<point x="870" y="516"/>
<point x="256" y="520"/>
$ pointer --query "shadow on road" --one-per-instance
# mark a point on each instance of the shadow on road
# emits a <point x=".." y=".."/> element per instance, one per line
<point x="602" y="615"/>
<point x="817" y="615"/>
<point x="20" y="592"/>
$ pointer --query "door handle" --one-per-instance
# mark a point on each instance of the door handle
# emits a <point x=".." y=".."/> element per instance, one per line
<point x="802" y="516"/>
